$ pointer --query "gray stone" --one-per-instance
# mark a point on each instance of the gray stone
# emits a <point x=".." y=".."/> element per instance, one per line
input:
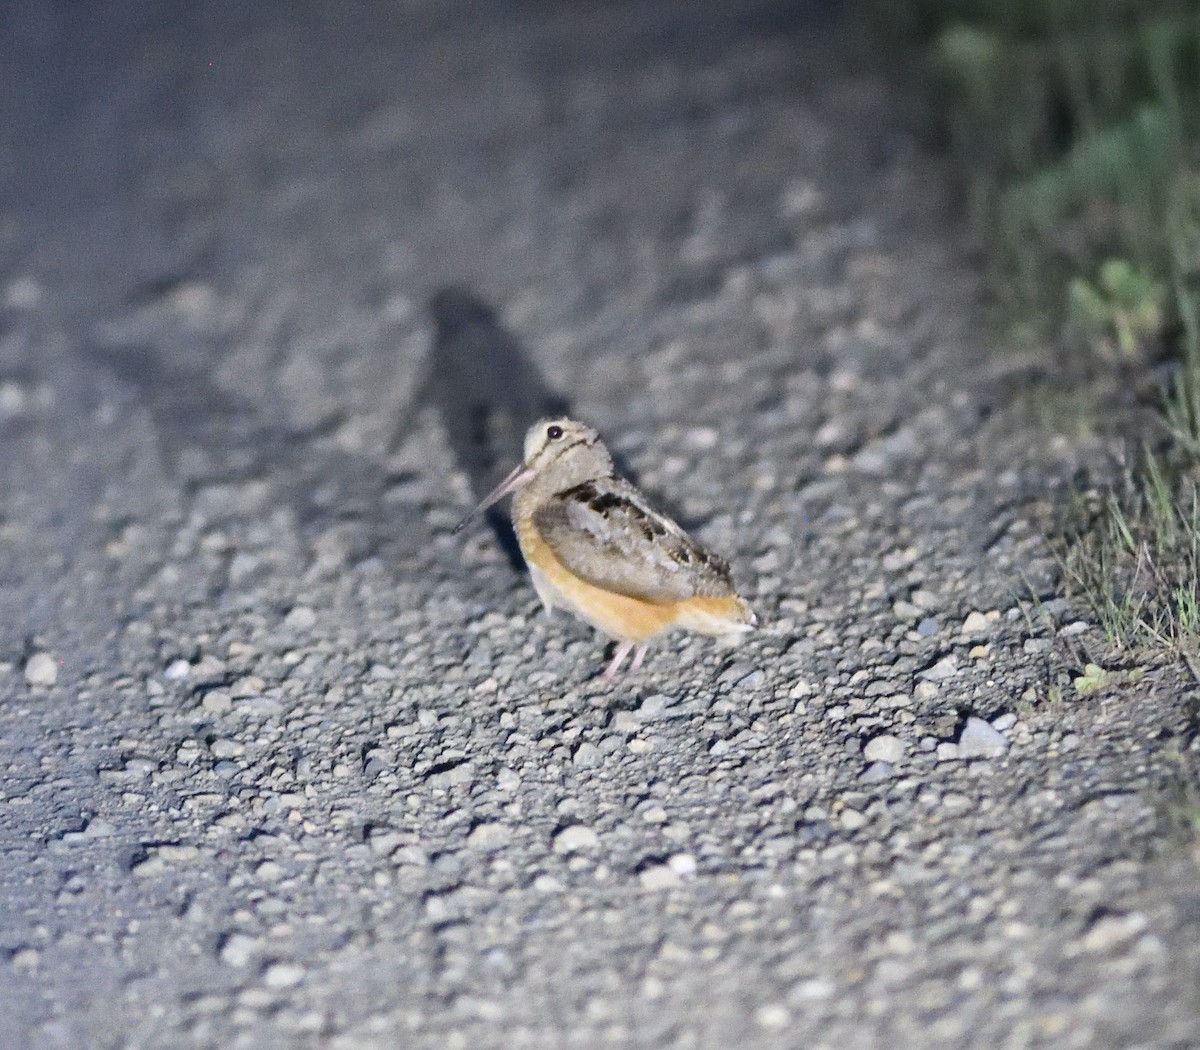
<point x="489" y="836"/>
<point x="980" y="740"/>
<point x="886" y="748"/>
<point x="575" y="838"/>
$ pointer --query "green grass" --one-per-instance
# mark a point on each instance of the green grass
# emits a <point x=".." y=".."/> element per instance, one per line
<point x="1134" y="556"/>
<point x="1076" y="127"/>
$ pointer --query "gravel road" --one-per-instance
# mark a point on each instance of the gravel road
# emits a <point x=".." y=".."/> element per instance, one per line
<point x="283" y="763"/>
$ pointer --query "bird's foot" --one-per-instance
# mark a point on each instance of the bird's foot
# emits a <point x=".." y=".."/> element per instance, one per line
<point x="623" y="650"/>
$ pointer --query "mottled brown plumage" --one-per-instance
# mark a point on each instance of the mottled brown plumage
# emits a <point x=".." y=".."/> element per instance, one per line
<point x="596" y="547"/>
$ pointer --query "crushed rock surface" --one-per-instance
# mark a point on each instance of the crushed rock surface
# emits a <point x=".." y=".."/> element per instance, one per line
<point x="283" y="763"/>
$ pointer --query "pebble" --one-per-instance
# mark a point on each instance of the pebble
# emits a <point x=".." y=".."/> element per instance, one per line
<point x="852" y="819"/>
<point x="1003" y="723"/>
<point x="886" y="748"/>
<point x="928" y="626"/>
<point x="217" y="702"/>
<point x="980" y="740"/>
<point x="99" y="829"/>
<point x="976" y="624"/>
<point x="947" y="751"/>
<point x="575" y="838"/>
<point x="489" y="836"/>
<point x="656" y="705"/>
<point x="238" y="949"/>
<point x="300" y="618"/>
<point x="41" y="669"/>
<point x="587" y="756"/>
<point x="773" y="1017"/>
<point x="1112" y="931"/>
<point x="626" y="722"/>
<point x="813" y="989"/>
<point x="25" y="959"/>
<point x="682" y="864"/>
<point x="659" y="877"/>
<point x="95" y="829"/>
<point x="177" y="670"/>
<point x="283" y="975"/>
<point x="896" y="560"/>
<point x="877" y="772"/>
<point x="956" y="801"/>
<point x="148" y="868"/>
<point x="384" y="842"/>
<point x="944" y="668"/>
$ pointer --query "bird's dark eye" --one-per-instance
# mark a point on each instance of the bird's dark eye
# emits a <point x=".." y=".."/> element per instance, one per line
<point x="554" y="432"/>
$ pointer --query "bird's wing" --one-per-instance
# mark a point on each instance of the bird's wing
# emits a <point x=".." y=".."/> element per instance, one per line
<point x="606" y="533"/>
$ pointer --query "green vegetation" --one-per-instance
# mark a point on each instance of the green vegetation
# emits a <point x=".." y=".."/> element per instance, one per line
<point x="1076" y="124"/>
<point x="1134" y="555"/>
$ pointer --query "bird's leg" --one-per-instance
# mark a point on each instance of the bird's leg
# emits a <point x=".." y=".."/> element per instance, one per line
<point x="638" y="657"/>
<point x="543" y="590"/>
<point x="623" y="650"/>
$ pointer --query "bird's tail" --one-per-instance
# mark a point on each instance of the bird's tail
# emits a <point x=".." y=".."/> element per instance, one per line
<point x="728" y="616"/>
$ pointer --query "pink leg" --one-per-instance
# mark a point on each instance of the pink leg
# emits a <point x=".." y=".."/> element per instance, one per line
<point x="618" y="658"/>
<point x="638" y="657"/>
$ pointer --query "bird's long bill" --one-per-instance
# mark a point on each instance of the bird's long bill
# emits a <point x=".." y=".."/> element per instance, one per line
<point x="520" y="476"/>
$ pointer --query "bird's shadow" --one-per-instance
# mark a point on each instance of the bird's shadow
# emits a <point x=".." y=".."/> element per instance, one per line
<point x="483" y="386"/>
<point x="486" y="391"/>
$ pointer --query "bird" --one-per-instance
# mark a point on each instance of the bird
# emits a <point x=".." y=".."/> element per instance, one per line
<point x="597" y="548"/>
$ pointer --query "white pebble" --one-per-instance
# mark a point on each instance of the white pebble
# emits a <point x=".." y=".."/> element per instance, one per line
<point x="947" y="751"/>
<point x="852" y="819"/>
<point x="683" y="864"/>
<point x="575" y="838"/>
<point x="658" y="877"/>
<point x="489" y="836"/>
<point x="177" y="670"/>
<point x="238" y="949"/>
<point x="976" y="624"/>
<point x="773" y="1016"/>
<point x="41" y="669"/>
<point x="283" y="975"/>
<point x="884" y="748"/>
<point x="300" y="618"/>
<point x="1112" y="931"/>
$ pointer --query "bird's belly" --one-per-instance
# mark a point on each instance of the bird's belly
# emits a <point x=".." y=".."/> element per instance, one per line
<point x="617" y="615"/>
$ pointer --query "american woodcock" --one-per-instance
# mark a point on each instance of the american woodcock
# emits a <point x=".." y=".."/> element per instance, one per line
<point x="596" y="547"/>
